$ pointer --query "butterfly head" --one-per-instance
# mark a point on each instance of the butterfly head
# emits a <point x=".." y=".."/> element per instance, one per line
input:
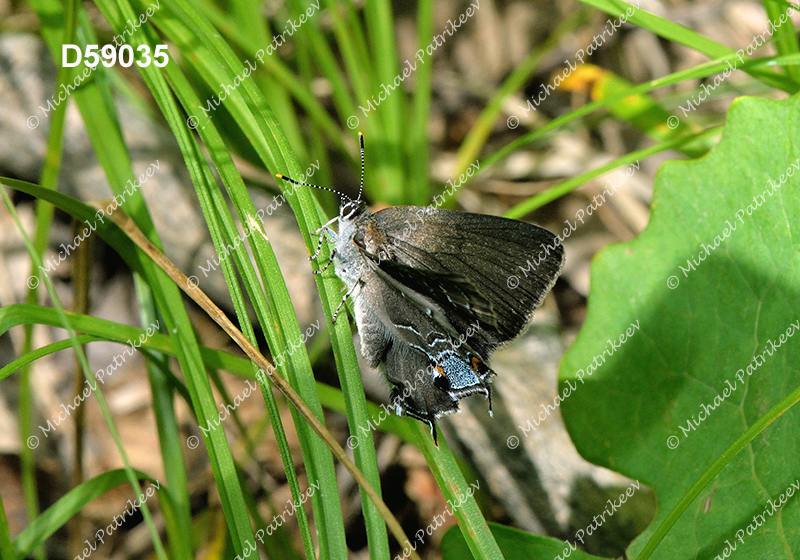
<point x="350" y="209"/>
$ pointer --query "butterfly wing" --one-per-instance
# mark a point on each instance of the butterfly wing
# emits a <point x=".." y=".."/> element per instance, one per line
<point x="489" y="257"/>
<point x="434" y="299"/>
<point x="429" y="365"/>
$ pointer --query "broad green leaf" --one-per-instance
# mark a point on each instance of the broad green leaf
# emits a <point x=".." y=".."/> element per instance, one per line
<point x="515" y="544"/>
<point x="699" y="298"/>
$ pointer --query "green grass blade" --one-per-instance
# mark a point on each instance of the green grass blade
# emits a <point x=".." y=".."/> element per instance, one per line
<point x="641" y="111"/>
<point x="684" y="36"/>
<point x="101" y="329"/>
<point x="96" y="105"/>
<point x="44" y="218"/>
<point x="700" y="71"/>
<point x="276" y="69"/>
<point x="476" y="137"/>
<point x="88" y="375"/>
<point x="773" y="414"/>
<point x="6" y="547"/>
<point x="262" y="145"/>
<point x="417" y="191"/>
<point x="392" y="110"/>
<point x="177" y="513"/>
<point x="57" y="515"/>
<point x="459" y="494"/>
<point x="573" y="183"/>
<point x="785" y="36"/>
<point x="223" y="232"/>
<point x="33" y="355"/>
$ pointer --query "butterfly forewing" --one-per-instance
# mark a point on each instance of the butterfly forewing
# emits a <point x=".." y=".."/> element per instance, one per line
<point x="485" y="251"/>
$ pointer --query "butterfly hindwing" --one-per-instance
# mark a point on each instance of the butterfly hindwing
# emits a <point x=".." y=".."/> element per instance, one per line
<point x="409" y="333"/>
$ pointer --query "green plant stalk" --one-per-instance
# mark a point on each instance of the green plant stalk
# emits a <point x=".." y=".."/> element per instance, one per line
<point x="88" y="375"/>
<point x="417" y="152"/>
<point x="223" y="231"/>
<point x="559" y="190"/>
<point x="21" y="314"/>
<point x="699" y="71"/>
<point x="785" y="36"/>
<point x="203" y="179"/>
<point x="176" y="503"/>
<point x="219" y="221"/>
<point x="96" y="104"/>
<point x="283" y="448"/>
<point x="646" y="114"/>
<point x="280" y="544"/>
<point x="381" y="33"/>
<point x="328" y="65"/>
<point x="269" y="144"/>
<point x="318" y="150"/>
<point x="276" y="69"/>
<point x="177" y="516"/>
<point x="349" y="36"/>
<point x="451" y="481"/>
<point x="54" y="517"/>
<point x="683" y="36"/>
<point x="44" y="219"/>
<point x="476" y="137"/>
<point x="119" y="239"/>
<point x="358" y="414"/>
<point x="6" y="547"/>
<point x="774" y="413"/>
<point x="288" y="391"/>
<point x="386" y="178"/>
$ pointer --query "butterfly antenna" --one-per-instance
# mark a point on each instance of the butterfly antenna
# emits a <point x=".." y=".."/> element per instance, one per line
<point x="361" y="144"/>
<point x="285" y="178"/>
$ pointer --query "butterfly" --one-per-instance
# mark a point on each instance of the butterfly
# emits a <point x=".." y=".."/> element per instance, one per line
<point x="432" y="295"/>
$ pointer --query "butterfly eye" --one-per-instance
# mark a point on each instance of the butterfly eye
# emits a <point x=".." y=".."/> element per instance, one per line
<point x="349" y="209"/>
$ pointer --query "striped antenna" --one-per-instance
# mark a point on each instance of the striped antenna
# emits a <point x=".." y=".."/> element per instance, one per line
<point x="285" y="178"/>
<point x="361" y="144"/>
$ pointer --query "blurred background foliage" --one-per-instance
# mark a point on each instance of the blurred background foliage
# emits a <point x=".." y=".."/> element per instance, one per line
<point x="467" y="100"/>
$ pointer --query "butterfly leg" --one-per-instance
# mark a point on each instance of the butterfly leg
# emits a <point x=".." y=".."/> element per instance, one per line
<point x="432" y="424"/>
<point x="325" y="226"/>
<point x="321" y="232"/>
<point x="344" y="299"/>
<point x="324" y="268"/>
